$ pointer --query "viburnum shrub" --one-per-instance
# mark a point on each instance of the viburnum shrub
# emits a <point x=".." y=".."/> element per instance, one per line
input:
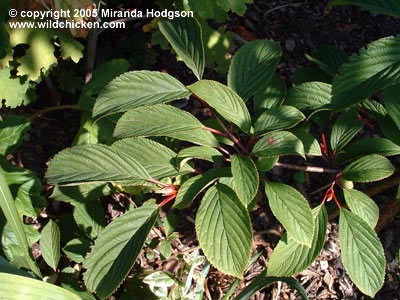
<point x="240" y="148"/>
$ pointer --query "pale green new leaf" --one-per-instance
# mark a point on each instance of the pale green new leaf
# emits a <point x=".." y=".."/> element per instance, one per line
<point x="228" y="245"/>
<point x="90" y="218"/>
<point x="157" y="159"/>
<point x="290" y="258"/>
<point x="21" y="287"/>
<point x="199" y="152"/>
<point x="94" y="164"/>
<point x="163" y="120"/>
<point x="237" y="6"/>
<point x="138" y="88"/>
<point x="185" y="37"/>
<point x="50" y="244"/>
<point x="245" y="178"/>
<point x="252" y="66"/>
<point x="386" y="7"/>
<point x="279" y="117"/>
<point x="344" y="129"/>
<point x="279" y="143"/>
<point x="376" y="67"/>
<point x="368" y="168"/>
<point x="392" y="103"/>
<point x="39" y="57"/>
<point x="362" y="253"/>
<point x="16" y="93"/>
<point x="116" y="250"/>
<point x="292" y="210"/>
<point x="362" y="205"/>
<point x="272" y="94"/>
<point x="309" y="96"/>
<point x="224" y="100"/>
<point x="195" y="185"/>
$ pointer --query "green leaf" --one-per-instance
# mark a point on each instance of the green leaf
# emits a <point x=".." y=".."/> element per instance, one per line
<point x="184" y="35"/>
<point x="290" y="258"/>
<point x="116" y="250"/>
<point x="275" y="118"/>
<point x="17" y="92"/>
<point x="102" y="76"/>
<point x="392" y="103"/>
<point x="344" y="129"/>
<point x="15" y="220"/>
<point x="389" y="128"/>
<point x="138" y="88"/>
<point x="207" y="9"/>
<point x="165" y="249"/>
<point x="12" y="131"/>
<point x="76" y="249"/>
<point x="89" y="217"/>
<point x="157" y="159"/>
<point x="362" y="253"/>
<point x="221" y="210"/>
<point x="39" y="57"/>
<point x="237" y="6"/>
<point x="199" y="152"/>
<point x="245" y="178"/>
<point x="25" y="188"/>
<point x="6" y="267"/>
<point x="309" y="96"/>
<point x="264" y="164"/>
<point x="93" y="164"/>
<point x="310" y="74"/>
<point x="376" y="67"/>
<point x="224" y="100"/>
<point x="292" y="210"/>
<point x="386" y="7"/>
<point x="328" y="58"/>
<point x="362" y="205"/>
<point x="50" y="244"/>
<point x="272" y="94"/>
<point x="261" y="281"/>
<point x="279" y="143"/>
<point x="20" y="287"/>
<point x="252" y="66"/>
<point x="367" y="146"/>
<point x="78" y="194"/>
<point x="156" y="121"/>
<point x="311" y="144"/>
<point x="195" y="185"/>
<point x="368" y="168"/>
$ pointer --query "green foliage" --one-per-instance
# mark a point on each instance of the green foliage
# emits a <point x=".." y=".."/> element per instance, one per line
<point x="184" y="35"/>
<point x="50" y="244"/>
<point x="21" y="287"/>
<point x="116" y="250"/>
<point x="252" y="66"/>
<point x="362" y="205"/>
<point x="362" y="253"/>
<point x="292" y="210"/>
<point x="279" y="143"/>
<point x="222" y="210"/>
<point x="18" y="90"/>
<point x="343" y="130"/>
<point x="4" y="36"/>
<point x="386" y="7"/>
<point x="290" y="258"/>
<point x="224" y="100"/>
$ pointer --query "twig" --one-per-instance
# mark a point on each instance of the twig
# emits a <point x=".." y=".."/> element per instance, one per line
<point x="230" y="135"/>
<point x="53" y="108"/>
<point x="306" y="168"/>
<point x="215" y="131"/>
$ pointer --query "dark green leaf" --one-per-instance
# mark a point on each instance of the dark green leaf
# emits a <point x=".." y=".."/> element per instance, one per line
<point x="76" y="249"/>
<point x="368" y="168"/>
<point x="344" y="129"/>
<point x="329" y="59"/>
<point x="252" y="66"/>
<point x="184" y="35"/>
<point x="279" y="143"/>
<point x="272" y="94"/>
<point x="89" y="217"/>
<point x="392" y="103"/>
<point x="12" y="131"/>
